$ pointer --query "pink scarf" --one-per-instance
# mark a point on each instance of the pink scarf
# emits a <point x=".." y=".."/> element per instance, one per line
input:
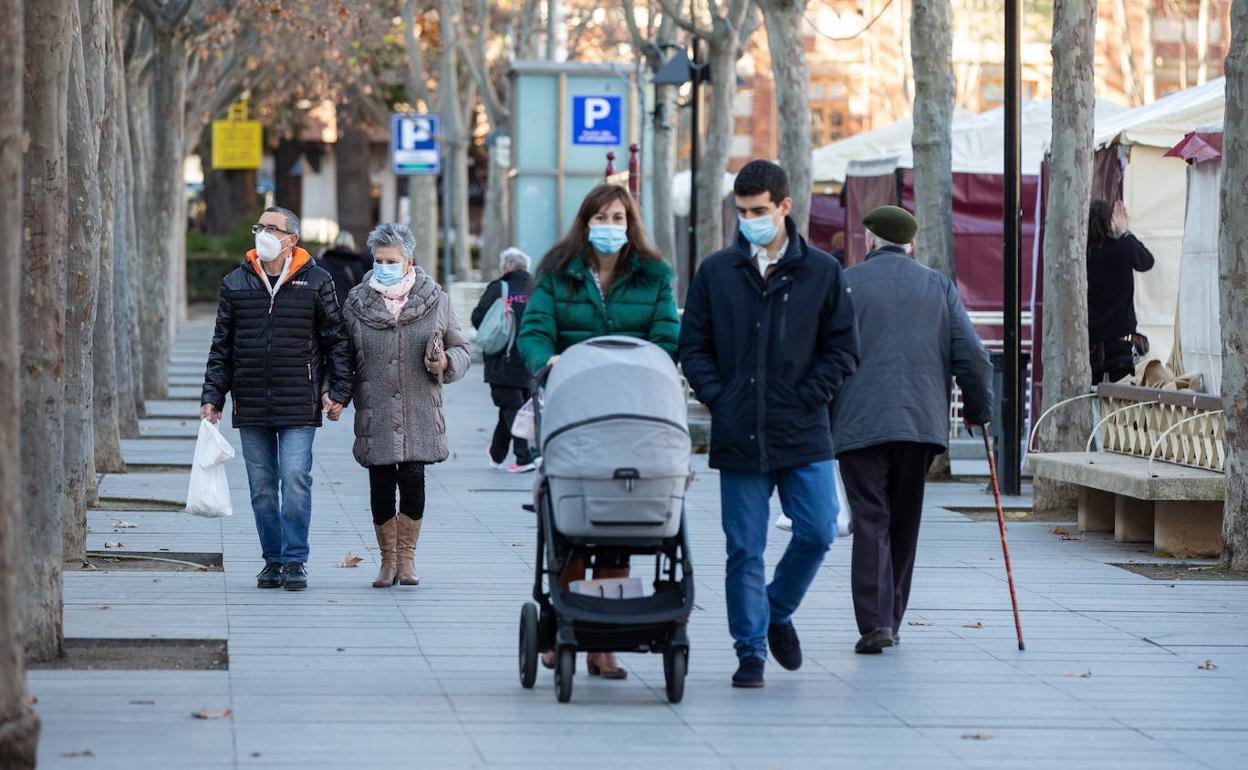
<point x="395" y="296"/>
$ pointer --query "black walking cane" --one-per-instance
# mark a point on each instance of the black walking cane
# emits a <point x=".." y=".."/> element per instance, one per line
<point x="1005" y="548"/>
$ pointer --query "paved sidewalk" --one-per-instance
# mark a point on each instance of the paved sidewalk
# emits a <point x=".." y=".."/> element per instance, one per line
<point x="344" y="675"/>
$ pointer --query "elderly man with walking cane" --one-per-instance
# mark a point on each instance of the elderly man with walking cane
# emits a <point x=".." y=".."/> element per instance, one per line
<point x="891" y="417"/>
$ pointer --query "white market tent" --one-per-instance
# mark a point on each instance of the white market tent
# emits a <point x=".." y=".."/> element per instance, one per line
<point x="1154" y="190"/>
<point x="978" y="145"/>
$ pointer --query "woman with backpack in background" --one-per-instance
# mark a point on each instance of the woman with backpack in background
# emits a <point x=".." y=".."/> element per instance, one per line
<point x="509" y="379"/>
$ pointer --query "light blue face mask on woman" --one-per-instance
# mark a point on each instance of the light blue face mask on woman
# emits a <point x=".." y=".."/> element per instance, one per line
<point x="608" y="239"/>
<point x="388" y="273"/>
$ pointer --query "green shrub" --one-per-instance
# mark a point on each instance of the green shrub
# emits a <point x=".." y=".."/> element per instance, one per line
<point x="204" y="273"/>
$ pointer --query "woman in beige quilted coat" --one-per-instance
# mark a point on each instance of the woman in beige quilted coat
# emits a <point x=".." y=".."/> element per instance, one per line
<point x="406" y="344"/>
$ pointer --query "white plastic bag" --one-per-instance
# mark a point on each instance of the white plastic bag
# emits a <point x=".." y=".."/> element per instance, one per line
<point x="525" y="424"/>
<point x="844" y="518"/>
<point x="209" y="491"/>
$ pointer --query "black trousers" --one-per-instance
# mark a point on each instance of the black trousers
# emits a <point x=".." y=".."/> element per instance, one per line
<point x="408" y="478"/>
<point x="508" y="399"/>
<point x="884" y="485"/>
<point x="1112" y="360"/>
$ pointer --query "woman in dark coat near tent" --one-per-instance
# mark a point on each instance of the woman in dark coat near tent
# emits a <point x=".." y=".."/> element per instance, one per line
<point x="1114" y="256"/>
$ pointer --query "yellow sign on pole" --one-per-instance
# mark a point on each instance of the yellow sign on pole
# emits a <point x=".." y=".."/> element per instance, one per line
<point x="237" y="143"/>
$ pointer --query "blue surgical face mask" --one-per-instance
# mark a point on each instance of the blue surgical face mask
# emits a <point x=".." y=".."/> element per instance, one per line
<point x="759" y="231"/>
<point x="608" y="239"/>
<point x="388" y="273"/>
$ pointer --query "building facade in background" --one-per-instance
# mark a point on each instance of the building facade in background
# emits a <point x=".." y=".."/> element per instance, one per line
<point x="858" y="52"/>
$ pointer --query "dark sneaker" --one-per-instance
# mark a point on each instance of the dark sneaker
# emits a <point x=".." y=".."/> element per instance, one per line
<point x="873" y="643"/>
<point x="294" y="577"/>
<point x="784" y="644"/>
<point x="749" y="673"/>
<point x="270" y="576"/>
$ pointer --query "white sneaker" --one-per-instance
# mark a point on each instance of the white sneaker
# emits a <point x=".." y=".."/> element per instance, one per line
<point x="784" y="523"/>
<point x="490" y="459"/>
<point x="526" y="468"/>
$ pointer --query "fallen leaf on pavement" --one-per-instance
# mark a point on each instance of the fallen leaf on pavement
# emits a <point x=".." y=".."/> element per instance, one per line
<point x="1207" y="666"/>
<point x="918" y="622"/>
<point x="1075" y="674"/>
<point x="83" y="753"/>
<point x="88" y="565"/>
<point x="1060" y="531"/>
<point x="121" y="524"/>
<point x="31" y="700"/>
<point x="976" y="624"/>
<point x="226" y="714"/>
<point x="1195" y="569"/>
<point x="115" y="544"/>
<point x="104" y="607"/>
<point x="976" y="736"/>
<point x="350" y="560"/>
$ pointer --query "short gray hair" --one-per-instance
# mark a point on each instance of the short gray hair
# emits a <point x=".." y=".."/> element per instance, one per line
<point x="292" y="221"/>
<point x="393" y="234"/>
<point x="513" y="259"/>
<point x="345" y="239"/>
<point x="883" y="243"/>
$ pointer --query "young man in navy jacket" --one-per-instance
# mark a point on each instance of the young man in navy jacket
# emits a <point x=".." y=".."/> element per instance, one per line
<point x="767" y="338"/>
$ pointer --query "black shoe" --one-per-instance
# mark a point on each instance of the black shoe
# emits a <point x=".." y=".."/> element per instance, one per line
<point x="294" y="576"/>
<point x="749" y="673"/>
<point x="270" y="576"/>
<point x="873" y="643"/>
<point x="784" y="644"/>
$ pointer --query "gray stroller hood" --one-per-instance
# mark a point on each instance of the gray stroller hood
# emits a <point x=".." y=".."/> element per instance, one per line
<point x="611" y="405"/>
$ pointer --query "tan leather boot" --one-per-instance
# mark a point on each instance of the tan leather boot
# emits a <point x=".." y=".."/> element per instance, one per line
<point x="387" y="541"/>
<point x="409" y="533"/>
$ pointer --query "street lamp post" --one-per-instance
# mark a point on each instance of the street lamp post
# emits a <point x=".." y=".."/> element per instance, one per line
<point x="1011" y="417"/>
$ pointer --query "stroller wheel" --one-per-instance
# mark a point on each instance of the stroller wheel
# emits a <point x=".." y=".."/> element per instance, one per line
<point x="675" y="665"/>
<point x="565" y="667"/>
<point x="528" y="645"/>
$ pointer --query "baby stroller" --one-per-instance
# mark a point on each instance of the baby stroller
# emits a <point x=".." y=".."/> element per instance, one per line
<point x="613" y="436"/>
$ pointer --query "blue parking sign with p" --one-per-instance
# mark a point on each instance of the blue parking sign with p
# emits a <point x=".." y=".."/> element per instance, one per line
<point x="414" y="144"/>
<point x="596" y="120"/>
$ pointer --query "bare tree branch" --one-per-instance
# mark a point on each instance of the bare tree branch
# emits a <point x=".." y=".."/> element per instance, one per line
<point x="417" y="81"/>
<point x="689" y="25"/>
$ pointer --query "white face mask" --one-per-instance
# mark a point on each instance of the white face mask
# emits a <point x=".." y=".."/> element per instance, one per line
<point x="268" y="246"/>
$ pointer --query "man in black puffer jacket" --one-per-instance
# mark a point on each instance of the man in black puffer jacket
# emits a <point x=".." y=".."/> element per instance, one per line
<point x="281" y="349"/>
<point x="767" y="338"/>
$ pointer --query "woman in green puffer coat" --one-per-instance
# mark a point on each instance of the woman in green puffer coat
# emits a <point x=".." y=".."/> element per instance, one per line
<point x="603" y="278"/>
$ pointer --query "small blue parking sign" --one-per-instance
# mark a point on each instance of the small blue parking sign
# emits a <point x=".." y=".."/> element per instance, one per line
<point x="414" y="144"/>
<point x="596" y="120"/>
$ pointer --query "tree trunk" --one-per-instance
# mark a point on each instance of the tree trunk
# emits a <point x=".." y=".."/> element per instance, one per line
<point x="229" y="194"/>
<point x="462" y="246"/>
<point x="1126" y="53"/>
<point x="1202" y="42"/>
<point x="1067" y="372"/>
<point x="125" y="314"/>
<point x="143" y="229"/>
<point x="162" y="254"/>
<point x="107" y="429"/>
<point x="496" y="216"/>
<point x="931" y="43"/>
<point x="1148" y="57"/>
<point x="44" y="224"/>
<point x="19" y="726"/>
<point x="422" y="208"/>
<point x="785" y="37"/>
<point x="287" y="189"/>
<point x="455" y="136"/>
<point x="422" y="191"/>
<point x="353" y="158"/>
<point x="717" y="145"/>
<point x="1233" y="280"/>
<point x="662" y="169"/>
<point x="82" y="275"/>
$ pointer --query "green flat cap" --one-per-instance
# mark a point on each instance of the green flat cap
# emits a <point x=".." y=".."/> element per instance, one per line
<point x="892" y="223"/>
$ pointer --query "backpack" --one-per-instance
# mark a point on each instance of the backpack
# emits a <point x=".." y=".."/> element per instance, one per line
<point x="498" y="329"/>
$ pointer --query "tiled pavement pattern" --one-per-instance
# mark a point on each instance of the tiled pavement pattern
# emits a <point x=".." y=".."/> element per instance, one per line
<point x="343" y="675"/>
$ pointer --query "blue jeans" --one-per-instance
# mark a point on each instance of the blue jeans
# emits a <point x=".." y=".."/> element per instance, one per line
<point x="808" y="497"/>
<point x="280" y="457"/>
